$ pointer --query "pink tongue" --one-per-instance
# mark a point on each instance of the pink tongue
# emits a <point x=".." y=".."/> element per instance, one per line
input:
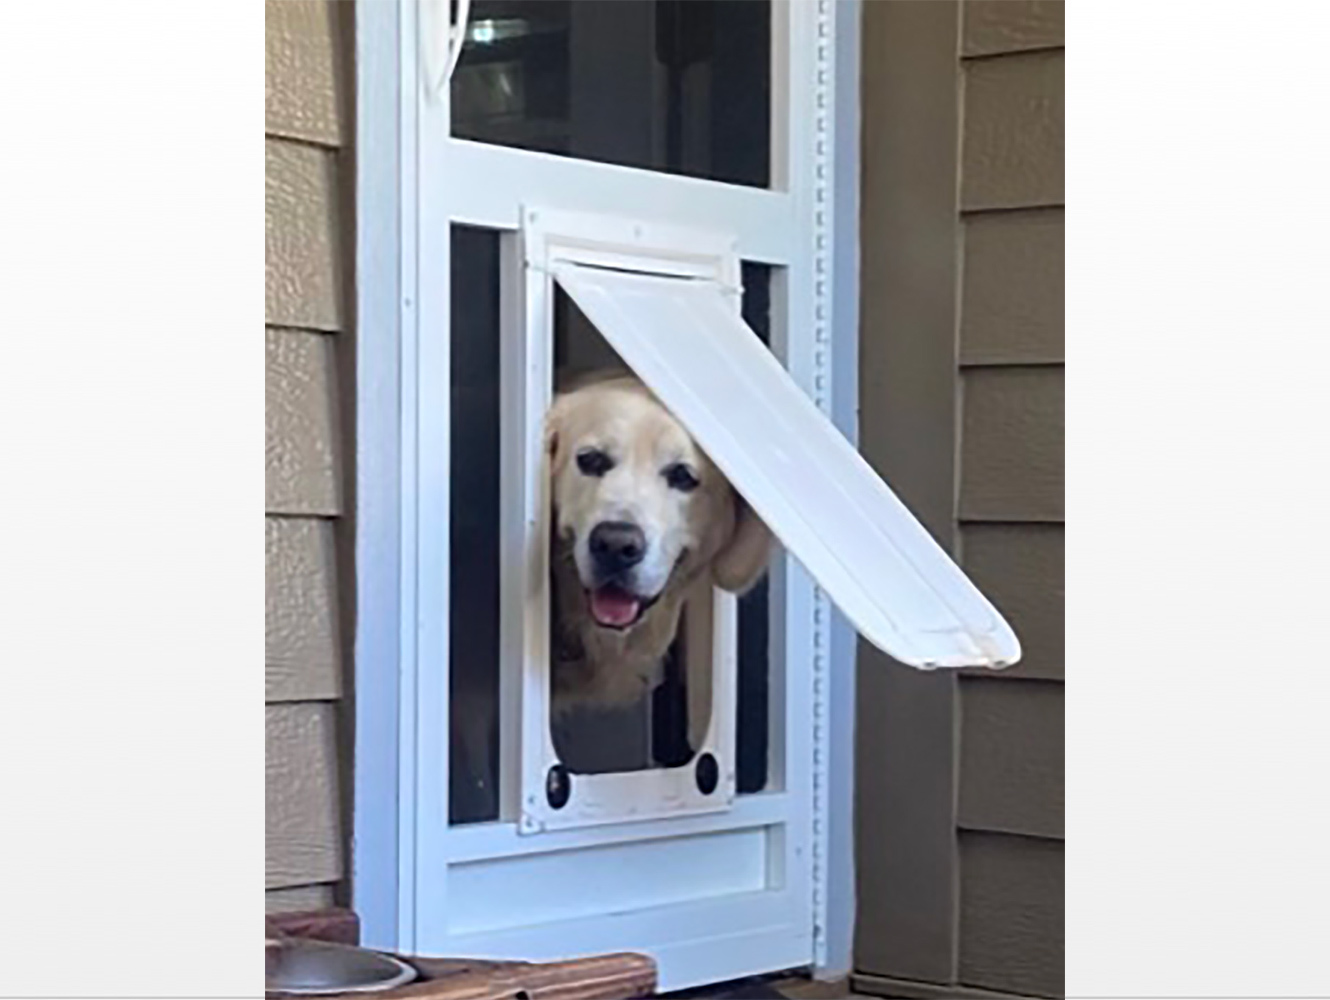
<point x="611" y="606"/>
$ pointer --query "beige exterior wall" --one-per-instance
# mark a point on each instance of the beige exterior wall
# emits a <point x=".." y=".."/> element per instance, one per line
<point x="306" y="342"/>
<point x="960" y="797"/>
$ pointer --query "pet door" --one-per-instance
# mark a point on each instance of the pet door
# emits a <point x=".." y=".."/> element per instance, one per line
<point x="555" y="793"/>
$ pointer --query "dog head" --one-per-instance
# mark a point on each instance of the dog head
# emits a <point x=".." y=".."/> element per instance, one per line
<point x="639" y="507"/>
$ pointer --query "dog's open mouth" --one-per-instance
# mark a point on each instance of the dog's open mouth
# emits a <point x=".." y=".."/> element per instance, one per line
<point x="613" y="607"/>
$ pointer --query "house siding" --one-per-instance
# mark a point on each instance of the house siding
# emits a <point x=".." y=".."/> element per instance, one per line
<point x="905" y="822"/>
<point x="961" y="808"/>
<point x="306" y="344"/>
<point x="1011" y="492"/>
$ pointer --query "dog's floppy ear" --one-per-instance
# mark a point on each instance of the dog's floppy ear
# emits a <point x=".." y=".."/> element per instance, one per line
<point x="553" y="427"/>
<point x="743" y="559"/>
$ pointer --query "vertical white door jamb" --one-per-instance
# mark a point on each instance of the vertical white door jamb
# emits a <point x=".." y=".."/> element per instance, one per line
<point x="376" y="796"/>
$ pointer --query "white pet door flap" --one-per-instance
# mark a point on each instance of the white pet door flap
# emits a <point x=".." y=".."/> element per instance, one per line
<point x="683" y="337"/>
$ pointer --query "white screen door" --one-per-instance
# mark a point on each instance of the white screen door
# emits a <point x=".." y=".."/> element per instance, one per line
<point x="714" y="118"/>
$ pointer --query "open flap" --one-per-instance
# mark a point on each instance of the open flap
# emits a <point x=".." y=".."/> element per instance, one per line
<point x="683" y="337"/>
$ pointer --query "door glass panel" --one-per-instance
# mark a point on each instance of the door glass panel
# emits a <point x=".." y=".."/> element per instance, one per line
<point x="680" y="86"/>
<point x="752" y="734"/>
<point x="664" y="728"/>
<point x="473" y="632"/>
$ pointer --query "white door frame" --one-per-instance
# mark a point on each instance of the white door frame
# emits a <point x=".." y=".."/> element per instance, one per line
<point x="400" y="711"/>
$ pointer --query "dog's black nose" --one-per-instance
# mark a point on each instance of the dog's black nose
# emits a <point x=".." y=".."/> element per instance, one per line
<point x="617" y="546"/>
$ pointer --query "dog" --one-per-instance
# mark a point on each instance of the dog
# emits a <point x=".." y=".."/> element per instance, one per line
<point x="640" y="516"/>
<point x="640" y="520"/>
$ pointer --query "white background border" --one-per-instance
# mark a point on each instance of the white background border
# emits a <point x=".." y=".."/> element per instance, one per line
<point x="131" y="764"/>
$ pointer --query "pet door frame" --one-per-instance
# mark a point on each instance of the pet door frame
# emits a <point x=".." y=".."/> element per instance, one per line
<point x="406" y="861"/>
<point x="550" y="237"/>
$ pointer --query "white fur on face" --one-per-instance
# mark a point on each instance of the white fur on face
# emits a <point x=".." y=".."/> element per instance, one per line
<point x="642" y="441"/>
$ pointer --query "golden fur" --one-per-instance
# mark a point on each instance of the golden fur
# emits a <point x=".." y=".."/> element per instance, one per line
<point x="708" y="533"/>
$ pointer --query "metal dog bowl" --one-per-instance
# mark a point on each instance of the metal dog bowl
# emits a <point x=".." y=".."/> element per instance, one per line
<point x="315" y="968"/>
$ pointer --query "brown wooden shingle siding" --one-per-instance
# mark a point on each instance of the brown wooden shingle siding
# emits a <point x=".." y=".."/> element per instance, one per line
<point x="1011" y="297"/>
<point x="1012" y="141"/>
<point x="1011" y="913"/>
<point x="1020" y="568"/>
<point x="301" y="424"/>
<point x="1011" y="757"/>
<point x="300" y="898"/>
<point x="989" y="748"/>
<point x="993" y="27"/>
<point x="304" y="844"/>
<point x="303" y="86"/>
<point x="1011" y="444"/>
<point x="1010" y="497"/>
<point x="303" y="661"/>
<point x="301" y="237"/>
<point x="306" y="125"/>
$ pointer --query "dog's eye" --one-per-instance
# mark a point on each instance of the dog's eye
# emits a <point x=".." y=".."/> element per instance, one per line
<point x="680" y="478"/>
<point x="594" y="462"/>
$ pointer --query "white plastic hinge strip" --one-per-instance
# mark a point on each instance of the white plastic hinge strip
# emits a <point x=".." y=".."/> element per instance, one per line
<point x="443" y="45"/>
<point x="724" y="286"/>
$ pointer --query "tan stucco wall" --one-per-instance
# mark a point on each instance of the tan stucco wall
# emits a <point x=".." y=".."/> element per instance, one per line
<point x="305" y="144"/>
<point x="960" y="789"/>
